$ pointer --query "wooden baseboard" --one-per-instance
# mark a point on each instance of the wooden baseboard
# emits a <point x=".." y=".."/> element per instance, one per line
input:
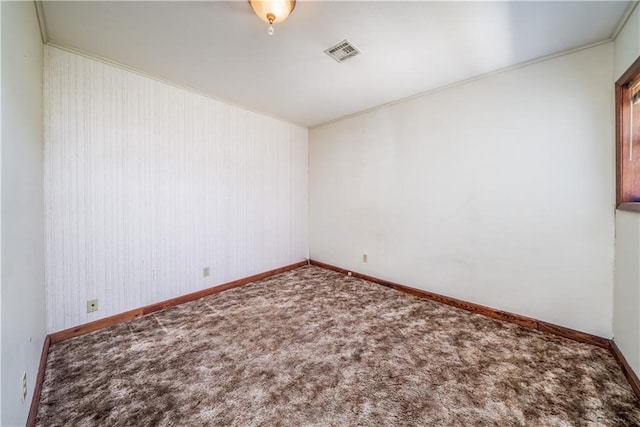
<point x="137" y="312"/>
<point x="525" y="321"/>
<point x="476" y="308"/>
<point x="626" y="368"/>
<point x="131" y="314"/>
<point x="37" y="389"/>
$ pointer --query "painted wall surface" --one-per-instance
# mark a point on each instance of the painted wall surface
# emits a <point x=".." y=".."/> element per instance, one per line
<point x="23" y="292"/>
<point x="626" y="315"/>
<point x="146" y="184"/>
<point x="627" y="45"/>
<point x="498" y="191"/>
<point x="0" y="213"/>
<point x="626" y="319"/>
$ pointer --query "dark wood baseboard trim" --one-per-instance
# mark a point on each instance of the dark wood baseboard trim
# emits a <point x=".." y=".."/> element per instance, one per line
<point x="132" y="314"/>
<point x="525" y="321"/>
<point x="137" y="312"/>
<point x="37" y="388"/>
<point x="476" y="308"/>
<point x="634" y="382"/>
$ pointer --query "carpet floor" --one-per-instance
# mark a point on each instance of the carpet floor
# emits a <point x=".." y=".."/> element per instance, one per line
<point x="312" y="347"/>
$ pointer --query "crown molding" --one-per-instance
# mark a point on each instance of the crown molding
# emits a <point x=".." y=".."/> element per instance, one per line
<point x="462" y="82"/>
<point x="116" y="64"/>
<point x="623" y="21"/>
<point x="41" y="23"/>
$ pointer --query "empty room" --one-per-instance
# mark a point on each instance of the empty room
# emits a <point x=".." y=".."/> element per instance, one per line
<point x="320" y="213"/>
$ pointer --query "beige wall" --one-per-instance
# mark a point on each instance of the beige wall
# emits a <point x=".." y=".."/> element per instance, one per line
<point x="627" y="45"/>
<point x="626" y="319"/>
<point x="497" y="191"/>
<point x="23" y="303"/>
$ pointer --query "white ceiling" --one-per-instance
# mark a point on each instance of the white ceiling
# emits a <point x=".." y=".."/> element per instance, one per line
<point x="222" y="48"/>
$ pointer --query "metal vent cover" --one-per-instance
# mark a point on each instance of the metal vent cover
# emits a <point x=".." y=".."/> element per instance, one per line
<point x="342" y="51"/>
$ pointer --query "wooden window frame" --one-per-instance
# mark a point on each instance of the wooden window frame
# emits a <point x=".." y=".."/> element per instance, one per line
<point x="622" y="89"/>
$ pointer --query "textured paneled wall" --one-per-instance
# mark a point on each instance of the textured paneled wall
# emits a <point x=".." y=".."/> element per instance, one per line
<point x="146" y="184"/>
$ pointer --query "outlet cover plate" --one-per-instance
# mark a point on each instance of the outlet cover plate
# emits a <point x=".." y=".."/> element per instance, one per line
<point x="92" y="305"/>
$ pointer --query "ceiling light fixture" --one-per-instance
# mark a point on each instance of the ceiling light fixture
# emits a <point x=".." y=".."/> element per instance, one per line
<point x="272" y="11"/>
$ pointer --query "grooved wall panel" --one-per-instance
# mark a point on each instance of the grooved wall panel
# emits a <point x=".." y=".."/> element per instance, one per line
<point x="146" y="184"/>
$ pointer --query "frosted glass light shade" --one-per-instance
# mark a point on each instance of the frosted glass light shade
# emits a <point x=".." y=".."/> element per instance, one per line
<point x="273" y="11"/>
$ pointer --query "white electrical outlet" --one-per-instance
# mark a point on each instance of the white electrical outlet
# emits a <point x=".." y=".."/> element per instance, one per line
<point x="364" y="258"/>
<point x="24" y="386"/>
<point x="92" y="305"/>
<point x="205" y="272"/>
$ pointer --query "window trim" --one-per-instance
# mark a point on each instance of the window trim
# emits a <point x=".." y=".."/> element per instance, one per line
<point x="622" y="126"/>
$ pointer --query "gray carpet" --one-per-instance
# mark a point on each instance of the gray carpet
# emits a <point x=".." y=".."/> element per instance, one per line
<point x="315" y="348"/>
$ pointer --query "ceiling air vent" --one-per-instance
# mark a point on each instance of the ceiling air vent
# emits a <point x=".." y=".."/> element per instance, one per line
<point x="343" y="50"/>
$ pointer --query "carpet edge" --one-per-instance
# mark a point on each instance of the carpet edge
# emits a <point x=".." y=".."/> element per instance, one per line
<point x="506" y="316"/>
<point x="527" y="322"/>
<point x="631" y="376"/>
<point x="105" y="322"/>
<point x="37" y="390"/>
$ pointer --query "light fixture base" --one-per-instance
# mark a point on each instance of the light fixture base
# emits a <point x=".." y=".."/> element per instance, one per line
<point x="273" y="11"/>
